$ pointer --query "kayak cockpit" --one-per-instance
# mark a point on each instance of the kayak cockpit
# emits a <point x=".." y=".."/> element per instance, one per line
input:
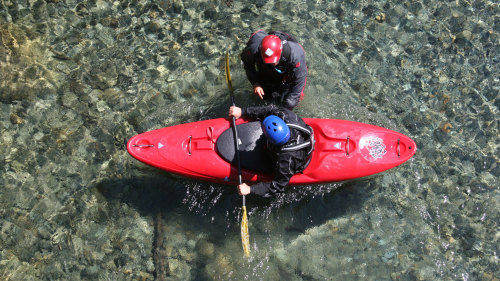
<point x="251" y="144"/>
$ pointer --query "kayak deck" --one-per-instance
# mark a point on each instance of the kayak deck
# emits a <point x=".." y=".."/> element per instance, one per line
<point x="344" y="150"/>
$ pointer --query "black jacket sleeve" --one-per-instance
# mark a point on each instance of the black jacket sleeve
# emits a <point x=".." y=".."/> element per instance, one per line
<point x="282" y="173"/>
<point x="298" y="75"/>
<point x="260" y="112"/>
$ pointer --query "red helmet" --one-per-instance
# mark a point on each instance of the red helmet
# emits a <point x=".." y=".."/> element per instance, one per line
<point x="270" y="49"/>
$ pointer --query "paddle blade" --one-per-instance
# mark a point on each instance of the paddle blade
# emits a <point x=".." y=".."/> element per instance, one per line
<point x="245" y="237"/>
<point x="228" y="74"/>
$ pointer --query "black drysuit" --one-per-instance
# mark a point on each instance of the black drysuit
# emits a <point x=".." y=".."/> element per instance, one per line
<point x="285" y="88"/>
<point x="287" y="162"/>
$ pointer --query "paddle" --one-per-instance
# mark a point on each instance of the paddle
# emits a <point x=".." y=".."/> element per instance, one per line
<point x="245" y="237"/>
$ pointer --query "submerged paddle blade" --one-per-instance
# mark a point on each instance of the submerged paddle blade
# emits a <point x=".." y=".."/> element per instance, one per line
<point x="228" y="75"/>
<point x="245" y="237"/>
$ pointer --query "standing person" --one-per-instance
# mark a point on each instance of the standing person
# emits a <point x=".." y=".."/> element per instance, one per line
<point x="275" y="65"/>
<point x="290" y="143"/>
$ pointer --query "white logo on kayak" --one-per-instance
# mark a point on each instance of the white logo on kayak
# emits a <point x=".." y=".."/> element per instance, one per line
<point x="269" y="52"/>
<point x="376" y="147"/>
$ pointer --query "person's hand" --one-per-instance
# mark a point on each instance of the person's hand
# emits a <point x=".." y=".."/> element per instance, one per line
<point x="235" y="112"/>
<point x="258" y="91"/>
<point x="243" y="189"/>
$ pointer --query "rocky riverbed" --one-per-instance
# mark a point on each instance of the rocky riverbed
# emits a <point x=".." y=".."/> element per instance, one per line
<point x="79" y="78"/>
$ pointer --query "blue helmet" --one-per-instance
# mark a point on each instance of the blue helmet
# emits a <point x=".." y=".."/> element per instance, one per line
<point x="276" y="130"/>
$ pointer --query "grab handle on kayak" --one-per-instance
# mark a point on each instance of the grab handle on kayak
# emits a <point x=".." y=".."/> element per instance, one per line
<point x="210" y="134"/>
<point x="347" y="146"/>
<point x="189" y="145"/>
<point x="399" y="150"/>
<point x="143" y="145"/>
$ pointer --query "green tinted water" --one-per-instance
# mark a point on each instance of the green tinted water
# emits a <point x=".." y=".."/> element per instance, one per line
<point x="79" y="78"/>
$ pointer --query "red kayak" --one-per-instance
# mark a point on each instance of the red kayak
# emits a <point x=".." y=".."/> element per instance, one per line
<point x="205" y="150"/>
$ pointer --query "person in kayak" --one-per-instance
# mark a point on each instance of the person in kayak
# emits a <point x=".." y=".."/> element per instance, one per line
<point x="290" y="143"/>
<point x="275" y="65"/>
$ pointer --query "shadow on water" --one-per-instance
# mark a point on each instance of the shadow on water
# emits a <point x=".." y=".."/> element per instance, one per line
<point x="304" y="207"/>
<point x="197" y="206"/>
<point x="210" y="212"/>
<point x="216" y="208"/>
<point x="161" y="192"/>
